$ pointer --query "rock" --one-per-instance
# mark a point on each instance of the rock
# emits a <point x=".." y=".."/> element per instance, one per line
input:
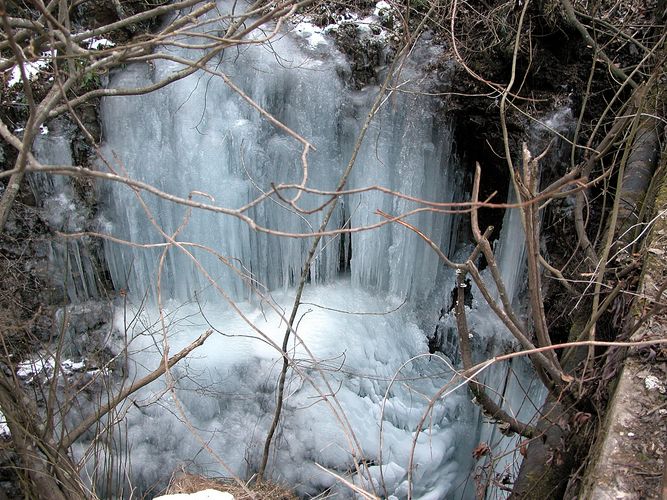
<point x="86" y="327"/>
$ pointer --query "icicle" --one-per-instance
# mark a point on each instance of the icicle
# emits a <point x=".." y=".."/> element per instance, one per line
<point x="69" y="260"/>
<point x="197" y="134"/>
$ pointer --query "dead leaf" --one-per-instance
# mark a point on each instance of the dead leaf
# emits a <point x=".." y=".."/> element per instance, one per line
<point x="580" y="418"/>
<point x="560" y="460"/>
<point x="481" y="450"/>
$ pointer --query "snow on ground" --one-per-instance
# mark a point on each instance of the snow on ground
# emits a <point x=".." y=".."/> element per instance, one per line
<point x="96" y="43"/>
<point x="311" y="33"/>
<point x="4" y="428"/>
<point x="32" y="68"/>
<point x="382" y="8"/>
<point x="44" y="365"/>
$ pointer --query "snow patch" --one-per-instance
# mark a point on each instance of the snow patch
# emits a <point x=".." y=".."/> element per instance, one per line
<point x="32" y="68"/>
<point x="311" y="33"/>
<point x="653" y="383"/>
<point x="372" y="26"/>
<point x="382" y="8"/>
<point x="4" y="428"/>
<point x="27" y="370"/>
<point x="44" y="365"/>
<point x="96" y="43"/>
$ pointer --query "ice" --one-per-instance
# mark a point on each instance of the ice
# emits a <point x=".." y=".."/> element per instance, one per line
<point x="511" y="252"/>
<point x="558" y="122"/>
<point x="357" y="354"/>
<point x="228" y="151"/>
<point x="70" y="262"/>
<point x="199" y="135"/>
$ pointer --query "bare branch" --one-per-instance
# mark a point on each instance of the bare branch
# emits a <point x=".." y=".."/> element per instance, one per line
<point x="122" y="396"/>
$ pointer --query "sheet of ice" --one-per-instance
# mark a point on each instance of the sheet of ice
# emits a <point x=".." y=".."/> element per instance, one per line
<point x="513" y="385"/>
<point x="227" y="391"/>
<point x="198" y="135"/>
<point x="70" y="262"/>
<point x="511" y="252"/>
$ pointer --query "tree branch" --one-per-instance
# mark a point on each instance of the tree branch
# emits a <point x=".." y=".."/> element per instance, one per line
<point x="83" y="426"/>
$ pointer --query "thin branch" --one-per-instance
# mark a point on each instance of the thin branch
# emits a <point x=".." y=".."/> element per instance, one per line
<point x="615" y="70"/>
<point x="489" y="406"/>
<point x="119" y="398"/>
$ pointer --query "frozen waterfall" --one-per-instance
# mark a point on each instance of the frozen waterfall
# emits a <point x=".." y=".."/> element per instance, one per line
<point x="198" y="136"/>
<point x="373" y="296"/>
